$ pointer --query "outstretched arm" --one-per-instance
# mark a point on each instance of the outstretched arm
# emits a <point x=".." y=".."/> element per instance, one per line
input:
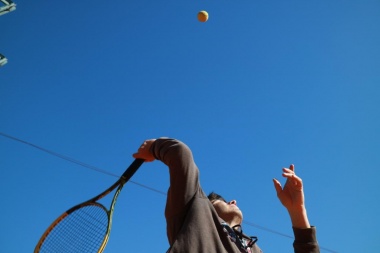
<point x="292" y="197"/>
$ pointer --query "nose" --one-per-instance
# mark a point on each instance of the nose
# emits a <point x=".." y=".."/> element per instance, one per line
<point x="232" y="202"/>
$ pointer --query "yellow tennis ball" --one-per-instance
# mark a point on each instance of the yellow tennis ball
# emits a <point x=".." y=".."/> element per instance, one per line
<point x="202" y="16"/>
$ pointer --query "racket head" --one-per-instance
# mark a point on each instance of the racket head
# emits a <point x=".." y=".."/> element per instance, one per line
<point x="83" y="228"/>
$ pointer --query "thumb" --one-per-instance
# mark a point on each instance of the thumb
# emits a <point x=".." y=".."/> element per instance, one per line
<point x="277" y="186"/>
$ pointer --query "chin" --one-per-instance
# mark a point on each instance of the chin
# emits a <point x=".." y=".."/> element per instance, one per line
<point x="239" y="214"/>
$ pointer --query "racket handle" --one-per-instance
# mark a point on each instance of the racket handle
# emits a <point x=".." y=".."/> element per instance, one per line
<point x="132" y="169"/>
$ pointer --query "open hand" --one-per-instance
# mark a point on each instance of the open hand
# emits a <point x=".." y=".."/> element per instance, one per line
<point x="292" y="197"/>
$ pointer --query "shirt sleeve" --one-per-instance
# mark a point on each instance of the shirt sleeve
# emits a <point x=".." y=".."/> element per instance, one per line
<point x="305" y="240"/>
<point x="184" y="182"/>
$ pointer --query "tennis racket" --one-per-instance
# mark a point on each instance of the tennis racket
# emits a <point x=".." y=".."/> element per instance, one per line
<point x="84" y="228"/>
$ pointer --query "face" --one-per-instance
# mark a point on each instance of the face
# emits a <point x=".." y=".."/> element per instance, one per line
<point x="228" y="211"/>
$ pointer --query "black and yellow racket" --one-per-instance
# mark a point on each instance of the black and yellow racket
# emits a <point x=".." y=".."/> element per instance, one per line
<point x="84" y="228"/>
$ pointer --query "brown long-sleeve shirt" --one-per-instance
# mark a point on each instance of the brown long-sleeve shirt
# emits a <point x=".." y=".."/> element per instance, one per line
<point x="192" y="223"/>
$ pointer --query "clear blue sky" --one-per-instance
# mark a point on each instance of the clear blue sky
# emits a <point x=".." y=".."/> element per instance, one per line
<point x="261" y="85"/>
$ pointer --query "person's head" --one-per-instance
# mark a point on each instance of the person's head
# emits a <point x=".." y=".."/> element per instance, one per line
<point x="228" y="211"/>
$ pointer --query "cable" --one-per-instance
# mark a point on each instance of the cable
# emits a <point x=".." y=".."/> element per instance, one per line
<point x="69" y="159"/>
<point x="136" y="183"/>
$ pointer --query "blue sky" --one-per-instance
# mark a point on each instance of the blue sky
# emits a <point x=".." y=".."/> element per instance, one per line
<point x="261" y="85"/>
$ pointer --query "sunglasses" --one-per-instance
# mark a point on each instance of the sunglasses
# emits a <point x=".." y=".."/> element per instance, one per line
<point x="239" y="232"/>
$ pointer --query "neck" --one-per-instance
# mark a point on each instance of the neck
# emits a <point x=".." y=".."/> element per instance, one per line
<point x="233" y="222"/>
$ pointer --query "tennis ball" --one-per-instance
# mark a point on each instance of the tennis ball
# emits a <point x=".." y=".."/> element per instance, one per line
<point x="202" y="16"/>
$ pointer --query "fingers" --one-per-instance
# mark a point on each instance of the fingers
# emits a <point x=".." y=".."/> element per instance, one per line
<point x="289" y="172"/>
<point x="292" y="178"/>
<point x="140" y="151"/>
<point x="145" y="144"/>
<point x="144" y="151"/>
<point x="277" y="186"/>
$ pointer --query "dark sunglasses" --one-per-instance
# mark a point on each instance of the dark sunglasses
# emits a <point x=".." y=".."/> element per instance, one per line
<point x="239" y="232"/>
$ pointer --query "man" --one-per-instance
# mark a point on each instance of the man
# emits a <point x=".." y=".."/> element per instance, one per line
<point x="198" y="224"/>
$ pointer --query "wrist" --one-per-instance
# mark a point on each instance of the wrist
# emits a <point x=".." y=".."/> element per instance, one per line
<point x="299" y="217"/>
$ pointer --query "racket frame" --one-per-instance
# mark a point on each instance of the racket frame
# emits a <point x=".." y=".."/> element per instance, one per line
<point x="93" y="201"/>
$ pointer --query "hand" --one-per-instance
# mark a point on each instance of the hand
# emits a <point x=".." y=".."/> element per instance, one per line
<point x="292" y="197"/>
<point x="144" y="151"/>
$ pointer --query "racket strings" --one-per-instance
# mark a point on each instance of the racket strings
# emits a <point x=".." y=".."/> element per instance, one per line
<point x="82" y="231"/>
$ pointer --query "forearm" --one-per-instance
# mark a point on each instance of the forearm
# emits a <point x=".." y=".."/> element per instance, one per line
<point x="299" y="218"/>
<point x="172" y="152"/>
<point x="183" y="172"/>
<point x="305" y="235"/>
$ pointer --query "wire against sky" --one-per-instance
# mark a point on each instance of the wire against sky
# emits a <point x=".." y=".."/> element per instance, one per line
<point x="76" y="161"/>
<point x="136" y="183"/>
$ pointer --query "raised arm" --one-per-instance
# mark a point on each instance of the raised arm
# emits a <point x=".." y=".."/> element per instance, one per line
<point x="178" y="157"/>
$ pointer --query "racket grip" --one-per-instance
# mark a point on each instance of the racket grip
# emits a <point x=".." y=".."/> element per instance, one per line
<point x="132" y="169"/>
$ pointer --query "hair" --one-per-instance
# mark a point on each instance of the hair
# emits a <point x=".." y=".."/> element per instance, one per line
<point x="214" y="196"/>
